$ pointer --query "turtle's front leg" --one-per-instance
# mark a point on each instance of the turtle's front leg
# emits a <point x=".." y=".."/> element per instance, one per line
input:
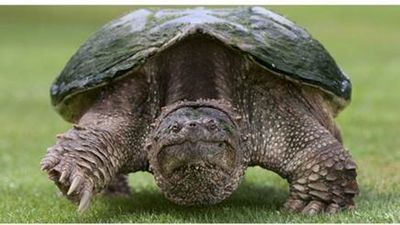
<point x="322" y="176"/>
<point x="321" y="173"/>
<point x="83" y="162"/>
<point x="107" y="141"/>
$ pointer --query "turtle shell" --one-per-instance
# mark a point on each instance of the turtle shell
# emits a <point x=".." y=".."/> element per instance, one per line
<point x="267" y="38"/>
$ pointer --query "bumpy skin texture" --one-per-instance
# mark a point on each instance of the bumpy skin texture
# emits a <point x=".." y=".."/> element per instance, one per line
<point x="196" y="153"/>
<point x="284" y="126"/>
<point x="89" y="158"/>
<point x="288" y="136"/>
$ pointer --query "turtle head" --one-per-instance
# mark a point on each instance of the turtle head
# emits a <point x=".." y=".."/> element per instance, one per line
<point x="195" y="152"/>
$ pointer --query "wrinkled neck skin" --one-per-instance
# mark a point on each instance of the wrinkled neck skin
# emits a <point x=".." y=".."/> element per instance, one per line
<point x="196" y="152"/>
<point x="195" y="148"/>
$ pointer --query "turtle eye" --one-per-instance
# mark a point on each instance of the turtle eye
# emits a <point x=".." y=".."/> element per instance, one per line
<point x="212" y="125"/>
<point x="175" y="127"/>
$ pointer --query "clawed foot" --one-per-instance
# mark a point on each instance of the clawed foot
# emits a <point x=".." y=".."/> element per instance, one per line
<point x="71" y="179"/>
<point x="314" y="207"/>
<point x="328" y="187"/>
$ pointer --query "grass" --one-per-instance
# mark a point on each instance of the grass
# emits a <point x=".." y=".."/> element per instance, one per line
<point x="36" y="42"/>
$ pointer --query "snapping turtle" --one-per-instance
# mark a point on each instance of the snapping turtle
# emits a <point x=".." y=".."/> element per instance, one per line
<point x="195" y="97"/>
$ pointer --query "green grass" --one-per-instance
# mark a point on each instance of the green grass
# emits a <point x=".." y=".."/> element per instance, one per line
<point x="36" y="42"/>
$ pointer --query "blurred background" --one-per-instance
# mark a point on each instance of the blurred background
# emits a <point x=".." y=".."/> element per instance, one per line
<point x="37" y="41"/>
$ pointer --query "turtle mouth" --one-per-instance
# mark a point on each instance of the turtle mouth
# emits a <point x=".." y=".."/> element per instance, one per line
<point x="195" y="152"/>
<point x="198" y="184"/>
<point x="176" y="158"/>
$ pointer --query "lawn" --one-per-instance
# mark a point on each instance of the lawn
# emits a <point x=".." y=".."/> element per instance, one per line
<point x="36" y="42"/>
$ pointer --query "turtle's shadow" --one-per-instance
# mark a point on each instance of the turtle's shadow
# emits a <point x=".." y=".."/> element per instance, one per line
<point x="249" y="196"/>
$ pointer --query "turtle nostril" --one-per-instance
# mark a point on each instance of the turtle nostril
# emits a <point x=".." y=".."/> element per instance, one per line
<point x="192" y="124"/>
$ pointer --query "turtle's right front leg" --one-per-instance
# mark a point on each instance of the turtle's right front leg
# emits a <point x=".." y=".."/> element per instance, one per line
<point x="83" y="162"/>
<point x="87" y="158"/>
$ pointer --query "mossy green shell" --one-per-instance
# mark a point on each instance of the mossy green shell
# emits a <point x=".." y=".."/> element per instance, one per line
<point x="269" y="39"/>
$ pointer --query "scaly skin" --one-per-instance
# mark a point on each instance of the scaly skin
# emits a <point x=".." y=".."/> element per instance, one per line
<point x="286" y="127"/>
<point x="320" y="172"/>
<point x="195" y="152"/>
<point x="106" y="142"/>
<point x="291" y="133"/>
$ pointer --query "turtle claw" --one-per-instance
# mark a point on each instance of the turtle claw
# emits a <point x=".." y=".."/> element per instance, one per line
<point x="75" y="183"/>
<point x="44" y="167"/>
<point x="314" y="207"/>
<point x="294" y="205"/>
<point x="333" y="208"/>
<point x="63" y="176"/>
<point x="85" y="201"/>
<point x="49" y="162"/>
<point x="77" y="188"/>
<point x="72" y="180"/>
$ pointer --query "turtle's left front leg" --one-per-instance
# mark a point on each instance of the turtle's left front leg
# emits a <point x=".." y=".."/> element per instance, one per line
<point x="321" y="173"/>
